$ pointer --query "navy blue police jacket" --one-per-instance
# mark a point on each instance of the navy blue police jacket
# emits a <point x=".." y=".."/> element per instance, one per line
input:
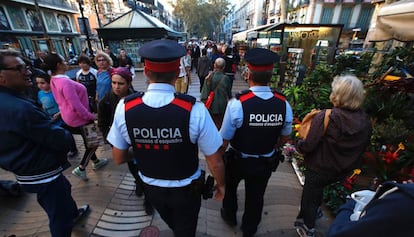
<point x="160" y="137"/>
<point x="263" y="121"/>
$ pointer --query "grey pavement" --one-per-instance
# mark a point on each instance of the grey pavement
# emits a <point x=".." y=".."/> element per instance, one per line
<point x="116" y="211"/>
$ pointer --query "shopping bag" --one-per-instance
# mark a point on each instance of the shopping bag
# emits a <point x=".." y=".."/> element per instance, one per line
<point x="92" y="135"/>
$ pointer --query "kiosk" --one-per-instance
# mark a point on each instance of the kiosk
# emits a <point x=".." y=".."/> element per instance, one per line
<point x="301" y="46"/>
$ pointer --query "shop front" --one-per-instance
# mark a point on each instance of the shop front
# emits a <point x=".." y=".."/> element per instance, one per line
<point x="29" y="29"/>
<point x="301" y="46"/>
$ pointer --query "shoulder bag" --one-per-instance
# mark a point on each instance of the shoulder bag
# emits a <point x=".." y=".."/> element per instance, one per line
<point x="92" y="135"/>
<point x="210" y="97"/>
<point x="307" y="120"/>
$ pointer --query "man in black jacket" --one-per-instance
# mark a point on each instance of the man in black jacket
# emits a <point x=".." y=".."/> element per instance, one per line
<point x="34" y="148"/>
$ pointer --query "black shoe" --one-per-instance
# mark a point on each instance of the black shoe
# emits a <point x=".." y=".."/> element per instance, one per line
<point x="148" y="207"/>
<point x="81" y="212"/>
<point x="225" y="216"/>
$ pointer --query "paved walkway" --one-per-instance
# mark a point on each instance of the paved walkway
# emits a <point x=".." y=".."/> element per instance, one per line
<point x="117" y="212"/>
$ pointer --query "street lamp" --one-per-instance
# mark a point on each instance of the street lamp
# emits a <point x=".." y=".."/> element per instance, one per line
<point x="247" y="23"/>
<point x="85" y="28"/>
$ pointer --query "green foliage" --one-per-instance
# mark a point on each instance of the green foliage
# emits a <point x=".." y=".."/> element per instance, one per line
<point x="347" y="63"/>
<point x="390" y="154"/>
<point x="201" y="17"/>
<point x="313" y="93"/>
<point x="398" y="58"/>
<point x="392" y="112"/>
<point x="334" y="196"/>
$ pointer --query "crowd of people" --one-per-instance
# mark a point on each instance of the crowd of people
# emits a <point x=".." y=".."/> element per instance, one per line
<point x="241" y="136"/>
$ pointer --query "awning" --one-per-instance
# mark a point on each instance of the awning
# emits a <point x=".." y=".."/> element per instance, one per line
<point x="242" y="36"/>
<point x="395" y="21"/>
<point x="136" y="24"/>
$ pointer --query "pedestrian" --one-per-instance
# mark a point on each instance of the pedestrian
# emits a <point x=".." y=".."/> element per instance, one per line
<point x="34" y="148"/>
<point x="73" y="102"/>
<point x="195" y="55"/>
<point x="124" y="60"/>
<point x="204" y="66"/>
<point x="215" y="53"/>
<point x="389" y="213"/>
<point x="49" y="105"/>
<point x="219" y="83"/>
<point x="39" y="62"/>
<point x="108" y="51"/>
<point x="121" y="87"/>
<point x="87" y="76"/>
<point x="103" y="80"/>
<point x="333" y="153"/>
<point x="168" y="158"/>
<point x="229" y="70"/>
<point x="32" y="91"/>
<point x="184" y="76"/>
<point x="256" y="124"/>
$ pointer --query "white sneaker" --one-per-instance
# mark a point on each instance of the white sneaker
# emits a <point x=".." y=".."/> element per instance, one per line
<point x="80" y="174"/>
<point x="101" y="163"/>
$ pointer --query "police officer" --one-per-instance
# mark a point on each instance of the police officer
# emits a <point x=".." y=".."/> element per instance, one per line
<point x="256" y="123"/>
<point x="165" y="130"/>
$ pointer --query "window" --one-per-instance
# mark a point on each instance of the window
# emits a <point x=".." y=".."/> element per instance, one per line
<point x="345" y="17"/>
<point x="326" y="15"/>
<point x="364" y="18"/>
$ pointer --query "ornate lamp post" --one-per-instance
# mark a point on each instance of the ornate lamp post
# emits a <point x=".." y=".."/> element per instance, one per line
<point x="247" y="23"/>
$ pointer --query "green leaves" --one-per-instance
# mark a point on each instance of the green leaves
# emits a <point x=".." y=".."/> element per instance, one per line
<point x="201" y="17"/>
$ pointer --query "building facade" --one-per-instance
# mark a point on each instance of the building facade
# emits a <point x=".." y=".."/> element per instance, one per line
<point x="355" y="15"/>
<point x="45" y="25"/>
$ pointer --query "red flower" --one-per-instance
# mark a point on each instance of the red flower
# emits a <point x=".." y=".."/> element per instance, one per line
<point x="347" y="184"/>
<point x="389" y="157"/>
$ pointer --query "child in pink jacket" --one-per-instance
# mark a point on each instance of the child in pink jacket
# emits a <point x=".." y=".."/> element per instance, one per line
<point x="72" y="99"/>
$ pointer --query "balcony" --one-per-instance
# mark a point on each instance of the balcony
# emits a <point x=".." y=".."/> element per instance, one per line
<point x="61" y="5"/>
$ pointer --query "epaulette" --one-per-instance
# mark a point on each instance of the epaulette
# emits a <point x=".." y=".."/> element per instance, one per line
<point x="279" y="95"/>
<point x="185" y="97"/>
<point x="133" y="96"/>
<point x="240" y="93"/>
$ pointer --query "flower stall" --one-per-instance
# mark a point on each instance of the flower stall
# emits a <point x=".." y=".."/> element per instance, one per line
<point x="389" y="103"/>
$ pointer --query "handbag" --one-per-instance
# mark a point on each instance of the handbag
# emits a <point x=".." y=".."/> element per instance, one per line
<point x="92" y="135"/>
<point x="307" y="120"/>
<point x="210" y="97"/>
<point x="209" y="100"/>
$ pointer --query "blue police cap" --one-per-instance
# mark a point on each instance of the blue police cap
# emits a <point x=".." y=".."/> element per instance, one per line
<point x="162" y="55"/>
<point x="259" y="59"/>
<point x="162" y="50"/>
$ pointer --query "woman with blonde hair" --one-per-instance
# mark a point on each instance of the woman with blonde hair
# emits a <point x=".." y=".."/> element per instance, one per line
<point x="332" y="153"/>
<point x="103" y="81"/>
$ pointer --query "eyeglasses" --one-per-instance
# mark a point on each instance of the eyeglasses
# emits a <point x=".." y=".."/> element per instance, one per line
<point x="20" y="68"/>
<point x="101" y="60"/>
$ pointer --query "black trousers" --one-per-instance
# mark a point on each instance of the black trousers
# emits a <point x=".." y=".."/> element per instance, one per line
<point x="56" y="199"/>
<point x="256" y="173"/>
<point x="178" y="207"/>
<point x="312" y="195"/>
<point x="89" y="152"/>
